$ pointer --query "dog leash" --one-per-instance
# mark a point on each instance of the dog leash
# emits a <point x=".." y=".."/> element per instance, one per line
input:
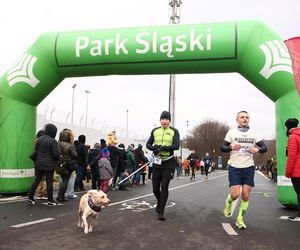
<point x="146" y="164"/>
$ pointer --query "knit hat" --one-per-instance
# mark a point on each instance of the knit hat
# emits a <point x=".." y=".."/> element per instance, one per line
<point x="291" y="123"/>
<point x="165" y="115"/>
<point x="121" y="145"/>
<point x="105" y="152"/>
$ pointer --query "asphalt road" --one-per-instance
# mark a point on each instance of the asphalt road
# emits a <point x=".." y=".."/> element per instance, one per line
<point x="194" y="220"/>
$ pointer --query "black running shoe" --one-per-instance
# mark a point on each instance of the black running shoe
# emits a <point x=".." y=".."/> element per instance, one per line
<point x="31" y="202"/>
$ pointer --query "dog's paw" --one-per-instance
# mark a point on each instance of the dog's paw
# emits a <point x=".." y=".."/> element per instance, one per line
<point x="86" y="231"/>
<point x="90" y="229"/>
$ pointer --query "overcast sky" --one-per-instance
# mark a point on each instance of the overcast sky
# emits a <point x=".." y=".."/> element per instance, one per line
<point x="198" y="96"/>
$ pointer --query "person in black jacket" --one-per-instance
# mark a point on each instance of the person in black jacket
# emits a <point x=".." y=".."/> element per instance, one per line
<point x="81" y="161"/>
<point x="192" y="161"/>
<point x="163" y="141"/>
<point x="92" y="164"/>
<point x="45" y="156"/>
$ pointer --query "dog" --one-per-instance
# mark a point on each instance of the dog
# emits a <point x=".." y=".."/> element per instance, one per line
<point x="90" y="206"/>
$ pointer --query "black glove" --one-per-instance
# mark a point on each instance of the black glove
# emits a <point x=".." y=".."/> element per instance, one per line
<point x="156" y="149"/>
<point x="163" y="148"/>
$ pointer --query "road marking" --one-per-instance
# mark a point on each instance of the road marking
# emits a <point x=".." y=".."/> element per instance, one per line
<point x="284" y="217"/>
<point x="11" y="198"/>
<point x="262" y="175"/>
<point x="32" y="222"/>
<point x="57" y="204"/>
<point x="171" y="189"/>
<point x="228" y="228"/>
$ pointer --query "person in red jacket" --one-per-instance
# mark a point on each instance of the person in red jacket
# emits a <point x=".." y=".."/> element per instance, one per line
<point x="293" y="161"/>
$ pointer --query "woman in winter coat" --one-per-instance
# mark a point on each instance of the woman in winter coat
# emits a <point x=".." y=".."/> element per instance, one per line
<point x="105" y="170"/>
<point x="68" y="155"/>
<point x="45" y="156"/>
<point x="293" y="160"/>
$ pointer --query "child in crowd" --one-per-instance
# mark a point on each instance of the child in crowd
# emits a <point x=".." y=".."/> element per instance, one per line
<point x="105" y="170"/>
<point x="124" y="185"/>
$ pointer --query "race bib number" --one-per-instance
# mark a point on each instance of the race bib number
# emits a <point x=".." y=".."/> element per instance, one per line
<point x="157" y="160"/>
<point x="244" y="151"/>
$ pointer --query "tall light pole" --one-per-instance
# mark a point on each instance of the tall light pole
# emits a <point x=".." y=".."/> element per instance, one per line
<point x="87" y="106"/>
<point x="80" y="120"/>
<point x="127" y="111"/>
<point x="51" y="114"/>
<point x="46" y="110"/>
<point x="73" y="87"/>
<point x="67" y="117"/>
<point x="174" y="9"/>
<point x="92" y="123"/>
<point x="187" y="128"/>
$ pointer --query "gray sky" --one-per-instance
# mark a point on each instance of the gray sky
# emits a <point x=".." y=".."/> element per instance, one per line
<point x="198" y="96"/>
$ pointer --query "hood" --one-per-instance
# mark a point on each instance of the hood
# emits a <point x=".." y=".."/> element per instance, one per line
<point x="295" y="131"/>
<point x="64" y="136"/>
<point x="81" y="138"/>
<point x="51" y="130"/>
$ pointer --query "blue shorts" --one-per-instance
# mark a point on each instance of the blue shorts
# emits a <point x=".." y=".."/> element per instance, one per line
<point x="241" y="176"/>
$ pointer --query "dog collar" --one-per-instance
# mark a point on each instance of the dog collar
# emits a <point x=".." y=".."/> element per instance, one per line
<point x="94" y="207"/>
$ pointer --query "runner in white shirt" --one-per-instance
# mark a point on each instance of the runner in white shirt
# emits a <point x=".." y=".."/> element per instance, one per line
<point x="242" y="143"/>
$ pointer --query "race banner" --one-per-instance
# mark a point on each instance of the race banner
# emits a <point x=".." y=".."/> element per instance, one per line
<point x="293" y="45"/>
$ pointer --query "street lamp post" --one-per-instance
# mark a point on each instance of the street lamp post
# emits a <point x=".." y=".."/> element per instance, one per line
<point x="67" y="117"/>
<point x="92" y="123"/>
<point x="81" y="120"/>
<point x="187" y="128"/>
<point x="73" y="87"/>
<point x="46" y="110"/>
<point x="127" y="111"/>
<point x="87" y="106"/>
<point x="51" y="114"/>
<point x="174" y="8"/>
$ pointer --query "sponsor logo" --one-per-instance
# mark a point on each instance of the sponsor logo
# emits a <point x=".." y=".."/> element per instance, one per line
<point x="283" y="181"/>
<point x="23" y="71"/>
<point x="16" y="173"/>
<point x="277" y="58"/>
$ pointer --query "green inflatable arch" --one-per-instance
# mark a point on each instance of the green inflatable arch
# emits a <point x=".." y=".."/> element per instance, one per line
<point x="247" y="47"/>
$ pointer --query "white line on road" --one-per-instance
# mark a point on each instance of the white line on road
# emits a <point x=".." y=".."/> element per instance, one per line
<point x="228" y="228"/>
<point x="284" y="217"/>
<point x="32" y="222"/>
<point x="12" y="198"/>
<point x="182" y="186"/>
<point x="262" y="175"/>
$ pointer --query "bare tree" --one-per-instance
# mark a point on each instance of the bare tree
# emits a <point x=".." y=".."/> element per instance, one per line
<point x="208" y="137"/>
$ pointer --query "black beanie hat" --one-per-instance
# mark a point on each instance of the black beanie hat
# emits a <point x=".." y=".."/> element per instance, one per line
<point x="291" y="123"/>
<point x="165" y="115"/>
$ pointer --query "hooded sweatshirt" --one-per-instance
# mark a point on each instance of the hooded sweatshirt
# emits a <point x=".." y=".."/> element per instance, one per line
<point x="47" y="149"/>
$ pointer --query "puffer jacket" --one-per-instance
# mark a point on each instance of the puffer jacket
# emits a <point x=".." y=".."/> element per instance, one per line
<point x="67" y="149"/>
<point x="105" y="169"/>
<point x="47" y="149"/>
<point x="293" y="161"/>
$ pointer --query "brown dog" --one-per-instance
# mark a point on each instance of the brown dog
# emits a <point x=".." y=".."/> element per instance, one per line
<point x="90" y="206"/>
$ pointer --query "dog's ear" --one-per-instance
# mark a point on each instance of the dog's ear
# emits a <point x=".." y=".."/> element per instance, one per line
<point x="92" y="191"/>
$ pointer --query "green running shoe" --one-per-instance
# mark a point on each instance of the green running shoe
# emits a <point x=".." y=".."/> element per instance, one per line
<point x="227" y="209"/>
<point x="240" y="223"/>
